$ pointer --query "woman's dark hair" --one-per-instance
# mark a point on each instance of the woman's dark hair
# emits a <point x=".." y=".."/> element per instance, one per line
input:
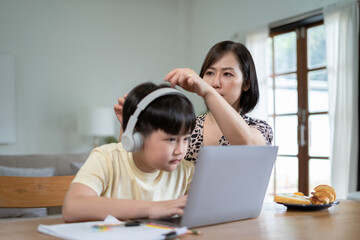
<point x="174" y="114"/>
<point x="250" y="97"/>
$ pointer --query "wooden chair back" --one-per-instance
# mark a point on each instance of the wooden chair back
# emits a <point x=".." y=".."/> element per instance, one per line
<point x="33" y="192"/>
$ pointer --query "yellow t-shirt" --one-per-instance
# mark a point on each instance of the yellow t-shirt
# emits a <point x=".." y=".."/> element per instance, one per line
<point x="111" y="172"/>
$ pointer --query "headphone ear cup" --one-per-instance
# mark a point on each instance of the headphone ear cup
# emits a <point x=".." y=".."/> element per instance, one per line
<point x="127" y="142"/>
<point x="138" y="141"/>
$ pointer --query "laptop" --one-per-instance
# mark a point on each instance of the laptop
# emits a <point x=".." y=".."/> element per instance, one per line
<point x="229" y="184"/>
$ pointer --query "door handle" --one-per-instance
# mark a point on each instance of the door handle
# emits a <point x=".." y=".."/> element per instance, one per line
<point x="302" y="135"/>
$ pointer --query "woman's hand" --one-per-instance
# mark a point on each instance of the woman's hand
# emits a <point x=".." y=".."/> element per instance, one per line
<point x="118" y="108"/>
<point x="163" y="209"/>
<point x="189" y="80"/>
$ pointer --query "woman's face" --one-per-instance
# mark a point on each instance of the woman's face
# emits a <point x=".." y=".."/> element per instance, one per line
<point x="226" y="77"/>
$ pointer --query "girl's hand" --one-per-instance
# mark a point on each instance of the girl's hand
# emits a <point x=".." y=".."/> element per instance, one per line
<point x="188" y="80"/>
<point x="163" y="209"/>
<point x="118" y="108"/>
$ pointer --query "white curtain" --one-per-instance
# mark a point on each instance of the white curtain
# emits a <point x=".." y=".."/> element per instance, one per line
<point x="256" y="41"/>
<point x="341" y="27"/>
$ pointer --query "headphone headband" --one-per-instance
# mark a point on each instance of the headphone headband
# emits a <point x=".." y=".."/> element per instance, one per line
<point x="131" y="140"/>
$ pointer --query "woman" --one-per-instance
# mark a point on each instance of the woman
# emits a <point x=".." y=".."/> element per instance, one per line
<point x="229" y="86"/>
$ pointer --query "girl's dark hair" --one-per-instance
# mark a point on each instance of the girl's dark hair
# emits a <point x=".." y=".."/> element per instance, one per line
<point x="174" y="114"/>
<point x="249" y="98"/>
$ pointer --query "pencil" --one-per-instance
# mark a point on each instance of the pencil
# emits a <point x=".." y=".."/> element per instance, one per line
<point x="155" y="225"/>
<point x="193" y="232"/>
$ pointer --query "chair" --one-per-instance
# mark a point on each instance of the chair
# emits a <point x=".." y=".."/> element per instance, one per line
<point x="33" y="192"/>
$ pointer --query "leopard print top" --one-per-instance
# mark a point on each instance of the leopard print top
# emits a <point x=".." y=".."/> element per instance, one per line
<point x="196" y="139"/>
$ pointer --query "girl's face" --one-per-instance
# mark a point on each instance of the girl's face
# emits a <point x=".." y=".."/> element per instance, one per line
<point x="226" y="77"/>
<point x="161" y="151"/>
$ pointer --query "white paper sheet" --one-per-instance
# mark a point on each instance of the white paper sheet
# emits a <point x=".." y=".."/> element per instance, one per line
<point x="86" y="231"/>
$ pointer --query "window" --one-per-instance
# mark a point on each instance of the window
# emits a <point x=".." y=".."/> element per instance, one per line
<point x="298" y="107"/>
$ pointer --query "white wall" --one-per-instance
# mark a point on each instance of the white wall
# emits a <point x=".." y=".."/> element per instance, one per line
<point x="78" y="54"/>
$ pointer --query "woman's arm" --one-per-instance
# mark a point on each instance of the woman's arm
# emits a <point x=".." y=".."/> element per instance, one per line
<point x="83" y="204"/>
<point x="231" y="124"/>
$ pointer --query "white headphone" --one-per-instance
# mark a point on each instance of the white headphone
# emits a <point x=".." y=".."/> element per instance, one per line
<point x="132" y="140"/>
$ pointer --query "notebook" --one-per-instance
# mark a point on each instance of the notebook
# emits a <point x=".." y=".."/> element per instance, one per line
<point x="229" y="184"/>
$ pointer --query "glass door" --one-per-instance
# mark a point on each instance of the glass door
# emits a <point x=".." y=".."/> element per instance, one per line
<point x="298" y="108"/>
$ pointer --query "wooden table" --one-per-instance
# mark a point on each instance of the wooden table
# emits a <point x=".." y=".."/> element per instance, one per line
<point x="340" y="222"/>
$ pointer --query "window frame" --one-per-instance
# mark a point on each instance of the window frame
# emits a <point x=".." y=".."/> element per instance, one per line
<point x="303" y="112"/>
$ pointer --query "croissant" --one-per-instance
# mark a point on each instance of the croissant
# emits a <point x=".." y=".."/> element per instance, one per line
<point x="324" y="194"/>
